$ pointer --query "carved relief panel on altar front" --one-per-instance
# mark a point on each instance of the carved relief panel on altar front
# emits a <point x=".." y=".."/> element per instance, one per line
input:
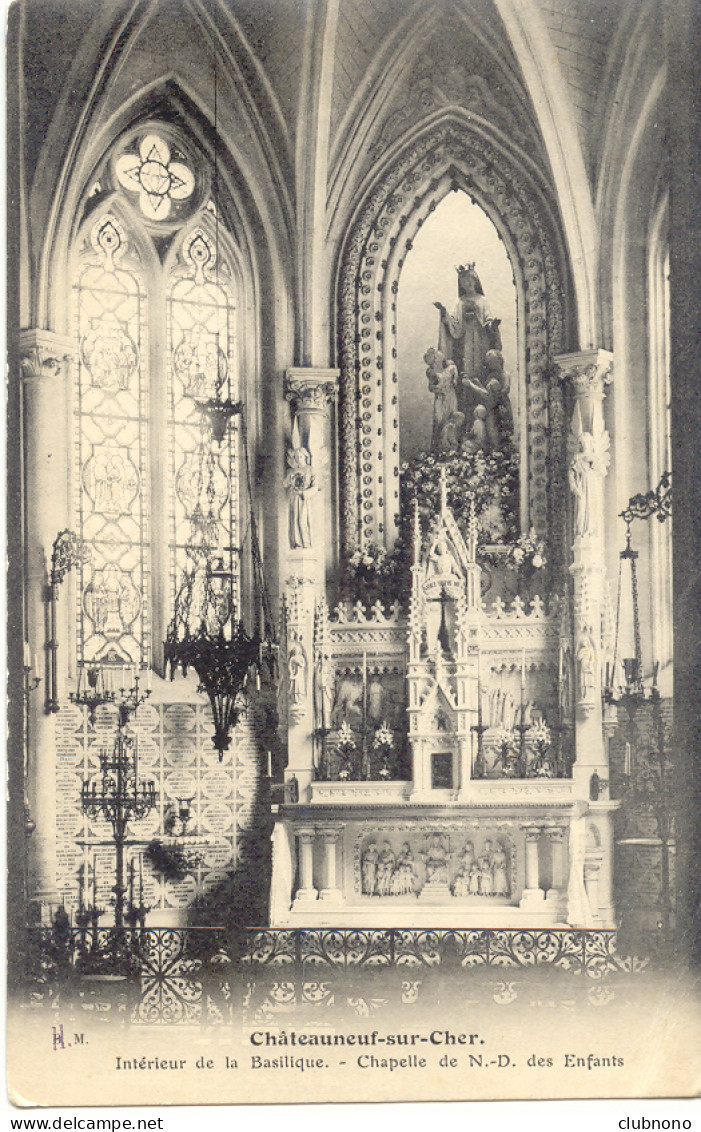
<point x="439" y="863"/>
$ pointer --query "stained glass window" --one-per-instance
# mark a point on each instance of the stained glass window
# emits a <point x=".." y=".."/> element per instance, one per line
<point x="153" y="174"/>
<point x="202" y="352"/>
<point x="112" y="450"/>
<point x="139" y="435"/>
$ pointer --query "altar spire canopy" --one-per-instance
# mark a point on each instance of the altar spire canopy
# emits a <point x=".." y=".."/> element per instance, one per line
<point x="447" y="581"/>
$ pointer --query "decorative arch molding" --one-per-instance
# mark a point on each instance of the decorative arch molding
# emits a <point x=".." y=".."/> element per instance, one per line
<point x="361" y="141"/>
<point x="245" y="202"/>
<point x="448" y="156"/>
<point x="532" y="46"/>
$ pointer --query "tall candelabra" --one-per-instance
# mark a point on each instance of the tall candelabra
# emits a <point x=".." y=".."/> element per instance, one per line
<point x="647" y="782"/>
<point x="119" y="797"/>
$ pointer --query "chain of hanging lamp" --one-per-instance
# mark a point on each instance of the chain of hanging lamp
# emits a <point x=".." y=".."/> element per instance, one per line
<point x="207" y="632"/>
<point x="658" y="503"/>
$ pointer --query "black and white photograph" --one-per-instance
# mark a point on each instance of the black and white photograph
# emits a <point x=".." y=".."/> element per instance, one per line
<point x="353" y="539"/>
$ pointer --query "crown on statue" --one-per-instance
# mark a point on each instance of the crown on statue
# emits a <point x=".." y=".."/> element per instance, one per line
<point x="466" y="269"/>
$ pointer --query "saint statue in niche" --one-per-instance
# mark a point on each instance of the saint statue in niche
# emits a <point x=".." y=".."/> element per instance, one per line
<point x="436" y="861"/>
<point x="586" y="666"/>
<point x="297" y="673"/>
<point x="404" y="878"/>
<point x="369" y="868"/>
<point x="474" y="408"/>
<point x="385" y="869"/>
<point x="500" y="880"/>
<point x="461" y="884"/>
<point x="300" y="481"/>
<point x="587" y="470"/>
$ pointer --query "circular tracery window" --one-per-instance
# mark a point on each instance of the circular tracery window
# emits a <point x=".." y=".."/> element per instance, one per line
<point x="158" y="176"/>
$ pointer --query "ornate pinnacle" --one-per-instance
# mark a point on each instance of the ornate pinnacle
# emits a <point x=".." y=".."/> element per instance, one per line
<point x="416" y="531"/>
<point x="444" y="491"/>
<point x="472" y="532"/>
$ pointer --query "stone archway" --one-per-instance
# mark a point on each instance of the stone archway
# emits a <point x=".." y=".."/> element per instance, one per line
<point x="449" y="157"/>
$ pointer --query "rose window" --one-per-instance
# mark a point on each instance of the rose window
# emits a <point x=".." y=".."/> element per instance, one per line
<point x="155" y="177"/>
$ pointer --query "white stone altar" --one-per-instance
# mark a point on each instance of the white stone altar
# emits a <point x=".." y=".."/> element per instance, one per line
<point x="448" y="767"/>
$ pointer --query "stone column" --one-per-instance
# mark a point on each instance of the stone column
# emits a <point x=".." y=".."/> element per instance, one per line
<point x="557" y="893"/>
<point x="592" y="870"/>
<point x="557" y="844"/>
<point x="588" y="373"/>
<point x="419" y="775"/>
<point x="532" y="892"/>
<point x="306" y="891"/>
<point x="330" y="892"/>
<point x="44" y="359"/>
<point x="309" y="527"/>
<point x="466" y="762"/>
<point x="311" y="393"/>
<point x="605" y="911"/>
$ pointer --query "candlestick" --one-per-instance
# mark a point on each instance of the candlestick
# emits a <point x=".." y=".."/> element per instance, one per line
<point x="131" y="881"/>
<point x="136" y="760"/>
<point x="627" y="763"/>
<point x="270" y="764"/>
<point x="94" y="879"/>
<point x="141" y="878"/>
<point x="27" y="655"/>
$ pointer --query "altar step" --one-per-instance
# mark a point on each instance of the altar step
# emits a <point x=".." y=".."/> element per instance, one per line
<point x="461" y="915"/>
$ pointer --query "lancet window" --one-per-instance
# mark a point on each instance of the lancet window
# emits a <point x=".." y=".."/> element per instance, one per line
<point x="151" y="478"/>
<point x="112" y="447"/>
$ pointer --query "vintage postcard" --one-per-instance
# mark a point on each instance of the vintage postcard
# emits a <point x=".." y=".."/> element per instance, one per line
<point x="353" y="607"/>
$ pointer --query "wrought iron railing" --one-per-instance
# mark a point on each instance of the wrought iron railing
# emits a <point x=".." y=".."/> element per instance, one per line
<point x="590" y="952"/>
<point x="149" y="975"/>
<point x="205" y="975"/>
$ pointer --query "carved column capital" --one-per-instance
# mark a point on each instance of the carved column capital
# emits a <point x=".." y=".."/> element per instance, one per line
<point x="588" y="371"/>
<point x="306" y="834"/>
<point x="43" y="354"/>
<point x="330" y="834"/>
<point x="592" y="863"/>
<point x="556" y="834"/>
<point x="532" y="832"/>
<point x="311" y="390"/>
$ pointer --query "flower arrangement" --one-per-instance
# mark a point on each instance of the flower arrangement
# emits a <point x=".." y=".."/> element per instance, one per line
<point x="539" y="734"/>
<point x="527" y="552"/>
<point x="491" y="481"/>
<point x="382" y="746"/>
<point x="345" y="750"/>
<point x="506" y="756"/>
<point x="488" y="478"/>
<point x="374" y="575"/>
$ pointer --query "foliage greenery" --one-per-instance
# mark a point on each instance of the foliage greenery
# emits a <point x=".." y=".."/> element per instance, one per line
<point x="490" y="479"/>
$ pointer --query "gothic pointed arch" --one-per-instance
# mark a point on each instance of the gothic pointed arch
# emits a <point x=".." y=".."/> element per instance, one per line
<point x="447" y="156"/>
<point x="245" y="174"/>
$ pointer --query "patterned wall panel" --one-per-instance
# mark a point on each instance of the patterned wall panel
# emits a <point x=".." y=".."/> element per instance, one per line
<point x="175" y="750"/>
